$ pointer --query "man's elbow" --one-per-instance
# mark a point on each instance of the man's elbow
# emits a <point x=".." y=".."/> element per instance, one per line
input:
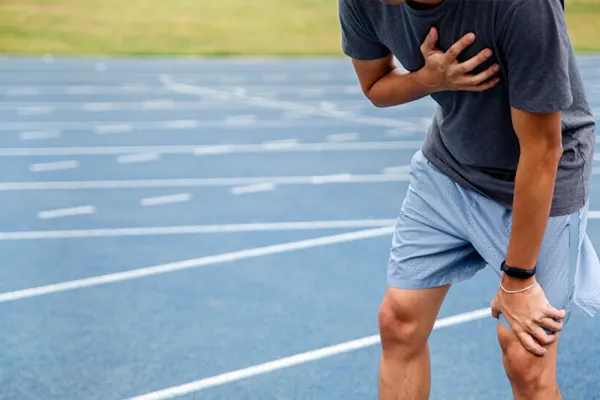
<point x="376" y="99"/>
<point x="548" y="153"/>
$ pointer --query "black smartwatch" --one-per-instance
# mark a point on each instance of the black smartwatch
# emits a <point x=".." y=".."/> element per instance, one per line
<point x="519" y="273"/>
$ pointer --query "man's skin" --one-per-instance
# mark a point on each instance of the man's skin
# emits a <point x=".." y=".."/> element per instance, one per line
<point x="406" y="317"/>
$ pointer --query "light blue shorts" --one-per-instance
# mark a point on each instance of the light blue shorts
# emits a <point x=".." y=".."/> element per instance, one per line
<point x="445" y="234"/>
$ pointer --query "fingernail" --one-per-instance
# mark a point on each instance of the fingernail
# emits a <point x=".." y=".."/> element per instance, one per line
<point x="471" y="36"/>
<point x="488" y="53"/>
<point x="496" y="68"/>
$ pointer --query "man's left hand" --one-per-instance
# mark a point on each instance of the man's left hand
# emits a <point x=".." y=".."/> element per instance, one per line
<point x="528" y="313"/>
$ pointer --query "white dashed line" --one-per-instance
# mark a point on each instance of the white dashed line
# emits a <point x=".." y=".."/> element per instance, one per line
<point x="267" y="147"/>
<point x="39" y="135"/>
<point x="181" y="124"/>
<point x="280" y="144"/>
<point x="82" y="89"/>
<point x="100" y="67"/>
<point x="97" y="107"/>
<point x="241" y="119"/>
<point x="138" y="158"/>
<point x="203" y="182"/>
<point x="161" y="200"/>
<point x="113" y="129"/>
<point x="66" y="212"/>
<point x="35" y="110"/>
<point x="259" y="187"/>
<point x="54" y="166"/>
<point x="158" y="104"/>
<point x="343" y="137"/>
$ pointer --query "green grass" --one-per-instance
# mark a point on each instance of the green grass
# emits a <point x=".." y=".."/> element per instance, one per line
<point x="201" y="27"/>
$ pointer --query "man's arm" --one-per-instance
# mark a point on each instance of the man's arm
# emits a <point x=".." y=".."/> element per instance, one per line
<point x="386" y="85"/>
<point x="540" y="140"/>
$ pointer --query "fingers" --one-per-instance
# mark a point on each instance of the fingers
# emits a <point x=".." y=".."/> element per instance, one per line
<point x="482" y="87"/>
<point x="551" y="325"/>
<point x="531" y="345"/>
<point x="458" y="47"/>
<point x="474" y="61"/>
<point x="543" y="337"/>
<point x="553" y="313"/>
<point x="430" y="41"/>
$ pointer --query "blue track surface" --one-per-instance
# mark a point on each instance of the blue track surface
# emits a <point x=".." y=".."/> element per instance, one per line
<point x="67" y="129"/>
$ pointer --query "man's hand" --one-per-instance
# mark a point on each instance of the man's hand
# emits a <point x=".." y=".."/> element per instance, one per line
<point x="443" y="72"/>
<point x="528" y="314"/>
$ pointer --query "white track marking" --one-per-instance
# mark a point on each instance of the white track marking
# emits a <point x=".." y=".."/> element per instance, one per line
<point x="97" y="107"/>
<point x="399" y="169"/>
<point x="259" y="187"/>
<point x="245" y="119"/>
<point x="39" y="135"/>
<point x="311" y="92"/>
<point x="159" y="104"/>
<point x="298" y="359"/>
<point x="137" y="158"/>
<point x="343" y="137"/>
<point x="214" y="149"/>
<point x="22" y="91"/>
<point x="100" y="67"/>
<point x="282" y="105"/>
<point x="203" y="182"/>
<point x="280" y="144"/>
<point x="66" y="212"/>
<point x="112" y="129"/>
<point x="35" y="110"/>
<point x="194" y="263"/>
<point x="181" y="124"/>
<point x="162" y="200"/>
<point x="275" y="78"/>
<point x="196" y="229"/>
<point x="54" y="166"/>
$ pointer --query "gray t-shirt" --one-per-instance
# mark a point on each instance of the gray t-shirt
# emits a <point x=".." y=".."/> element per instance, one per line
<point x="472" y="139"/>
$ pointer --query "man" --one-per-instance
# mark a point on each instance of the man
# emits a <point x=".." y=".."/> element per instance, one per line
<point x="502" y="179"/>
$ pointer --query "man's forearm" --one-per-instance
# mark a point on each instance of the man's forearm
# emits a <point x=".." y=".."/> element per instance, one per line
<point x="534" y="189"/>
<point x="397" y="87"/>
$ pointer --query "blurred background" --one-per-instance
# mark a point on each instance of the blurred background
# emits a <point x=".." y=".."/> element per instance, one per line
<point x="197" y="203"/>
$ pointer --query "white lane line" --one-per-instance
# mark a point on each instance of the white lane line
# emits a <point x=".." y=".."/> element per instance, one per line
<point x="181" y="124"/>
<point x="35" y="110"/>
<point x="399" y="169"/>
<point x="218" y="149"/>
<point x="170" y="199"/>
<point x="100" y="67"/>
<point x="282" y="105"/>
<point x="275" y="78"/>
<point x="196" y="229"/>
<point x="259" y="187"/>
<point x="97" y="107"/>
<point x="311" y="92"/>
<point x="54" y="166"/>
<point x="343" y="137"/>
<point x="193" y="149"/>
<point x="158" y="104"/>
<point x="244" y="119"/>
<point x="280" y="144"/>
<point x="39" y="135"/>
<point x="79" y="89"/>
<point x="112" y="129"/>
<point x="298" y="359"/>
<point x="203" y="182"/>
<point x="194" y="263"/>
<point x="138" y="158"/>
<point x="66" y="212"/>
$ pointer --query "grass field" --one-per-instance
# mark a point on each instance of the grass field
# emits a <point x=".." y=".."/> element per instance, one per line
<point x="201" y="27"/>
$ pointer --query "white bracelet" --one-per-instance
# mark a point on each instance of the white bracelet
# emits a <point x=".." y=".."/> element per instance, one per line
<point x="518" y="291"/>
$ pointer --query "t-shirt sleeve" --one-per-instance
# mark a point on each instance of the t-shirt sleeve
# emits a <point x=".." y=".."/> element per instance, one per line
<point x="358" y="40"/>
<point x="536" y="47"/>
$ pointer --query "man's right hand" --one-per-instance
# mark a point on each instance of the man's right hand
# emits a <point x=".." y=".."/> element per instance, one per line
<point x="443" y="72"/>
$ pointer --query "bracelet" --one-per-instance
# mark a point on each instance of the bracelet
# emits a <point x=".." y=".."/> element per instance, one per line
<point x="518" y="291"/>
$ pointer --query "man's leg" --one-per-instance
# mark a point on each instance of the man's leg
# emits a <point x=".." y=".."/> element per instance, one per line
<point x="406" y="319"/>
<point x="531" y="377"/>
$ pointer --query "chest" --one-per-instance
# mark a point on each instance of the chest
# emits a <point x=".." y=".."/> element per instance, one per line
<point x="405" y="36"/>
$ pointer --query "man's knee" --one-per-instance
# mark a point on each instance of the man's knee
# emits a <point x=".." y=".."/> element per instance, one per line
<point x="529" y="373"/>
<point x="400" y="331"/>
